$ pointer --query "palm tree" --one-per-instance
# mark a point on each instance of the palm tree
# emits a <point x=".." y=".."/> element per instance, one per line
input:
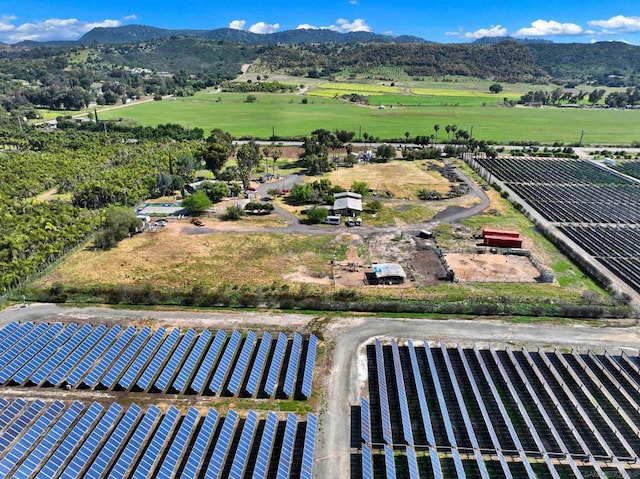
<point x="406" y="140"/>
<point x="436" y="127"/>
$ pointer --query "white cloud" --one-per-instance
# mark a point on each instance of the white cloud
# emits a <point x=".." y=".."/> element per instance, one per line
<point x="344" y="26"/>
<point x="128" y="18"/>
<point x="494" y="31"/>
<point x="545" y="28"/>
<point x="50" y="29"/>
<point x="262" y="27"/>
<point x="617" y="24"/>
<point x="237" y="24"/>
<point x="354" y="2"/>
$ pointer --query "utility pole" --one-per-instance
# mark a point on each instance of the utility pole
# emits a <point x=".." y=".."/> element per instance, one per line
<point x="581" y="138"/>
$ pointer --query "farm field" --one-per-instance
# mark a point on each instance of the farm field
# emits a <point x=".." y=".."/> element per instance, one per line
<point x="288" y="117"/>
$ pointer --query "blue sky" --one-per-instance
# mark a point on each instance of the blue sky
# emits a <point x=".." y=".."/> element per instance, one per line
<point x="449" y="21"/>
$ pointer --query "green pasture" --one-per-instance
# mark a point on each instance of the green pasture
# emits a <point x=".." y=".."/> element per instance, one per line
<point x="287" y="116"/>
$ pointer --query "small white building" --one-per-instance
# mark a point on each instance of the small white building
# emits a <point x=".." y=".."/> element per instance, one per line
<point x="347" y="204"/>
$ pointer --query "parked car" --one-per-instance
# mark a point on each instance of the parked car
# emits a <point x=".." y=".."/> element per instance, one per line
<point x="197" y="222"/>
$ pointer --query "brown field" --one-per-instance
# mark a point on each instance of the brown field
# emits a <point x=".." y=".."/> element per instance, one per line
<point x="492" y="268"/>
<point x="402" y="178"/>
<point x="181" y="255"/>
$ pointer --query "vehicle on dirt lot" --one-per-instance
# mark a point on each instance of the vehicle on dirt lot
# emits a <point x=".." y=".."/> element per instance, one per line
<point x="197" y="222"/>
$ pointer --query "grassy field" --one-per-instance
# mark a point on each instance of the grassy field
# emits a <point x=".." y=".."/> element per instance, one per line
<point x="286" y="115"/>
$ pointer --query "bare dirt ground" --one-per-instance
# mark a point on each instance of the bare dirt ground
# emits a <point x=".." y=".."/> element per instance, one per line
<point x="492" y="267"/>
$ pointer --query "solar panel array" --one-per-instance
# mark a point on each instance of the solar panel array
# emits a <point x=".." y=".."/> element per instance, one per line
<point x="134" y="359"/>
<point x="72" y="441"/>
<point x="451" y="412"/>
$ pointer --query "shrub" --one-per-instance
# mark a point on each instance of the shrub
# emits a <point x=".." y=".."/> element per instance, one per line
<point x="317" y="215"/>
<point x="233" y="213"/>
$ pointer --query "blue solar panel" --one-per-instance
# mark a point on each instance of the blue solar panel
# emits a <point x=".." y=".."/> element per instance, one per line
<point x="139" y="361"/>
<point x="87" y="363"/>
<point x="109" y="357"/>
<point x="70" y="443"/>
<point x="115" y="441"/>
<point x="242" y="363"/>
<point x="174" y="361"/>
<point x="128" y="354"/>
<point x="367" y="460"/>
<point x="49" y="442"/>
<point x="58" y="376"/>
<point x="390" y="463"/>
<point x="292" y="369"/>
<point x="190" y="363"/>
<point x="309" y="447"/>
<point x="36" y="354"/>
<point x="286" y="453"/>
<point x="225" y="363"/>
<point x="178" y="446"/>
<point x="440" y="395"/>
<point x="52" y="363"/>
<point x="201" y="445"/>
<point x="157" y="360"/>
<point x="258" y="364"/>
<point x="222" y="446"/>
<point x="135" y="443"/>
<point x="244" y="446"/>
<point x="25" y="341"/>
<point x="15" y="336"/>
<point x="365" y="421"/>
<point x="154" y="451"/>
<point x="29" y="438"/>
<point x="413" y="464"/>
<point x="10" y="412"/>
<point x="384" y="400"/>
<point x="83" y="456"/>
<point x="309" y="366"/>
<point x="21" y="423"/>
<point x="266" y="444"/>
<point x="402" y="395"/>
<point x="422" y="399"/>
<point x="276" y="362"/>
<point x="3" y="403"/>
<point x="8" y="330"/>
<point x="208" y="361"/>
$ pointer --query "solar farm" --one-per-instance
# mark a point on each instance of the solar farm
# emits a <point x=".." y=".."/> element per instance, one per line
<point x="452" y="411"/>
<point x="73" y="439"/>
<point x="595" y="207"/>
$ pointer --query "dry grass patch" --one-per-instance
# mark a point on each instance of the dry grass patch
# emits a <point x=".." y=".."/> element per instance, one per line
<point x="173" y="258"/>
<point x="402" y="178"/>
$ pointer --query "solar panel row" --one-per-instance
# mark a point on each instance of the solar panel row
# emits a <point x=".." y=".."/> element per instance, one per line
<point x="107" y="357"/>
<point x="500" y="412"/>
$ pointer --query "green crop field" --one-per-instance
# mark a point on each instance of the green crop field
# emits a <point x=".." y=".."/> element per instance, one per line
<point x="287" y="116"/>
